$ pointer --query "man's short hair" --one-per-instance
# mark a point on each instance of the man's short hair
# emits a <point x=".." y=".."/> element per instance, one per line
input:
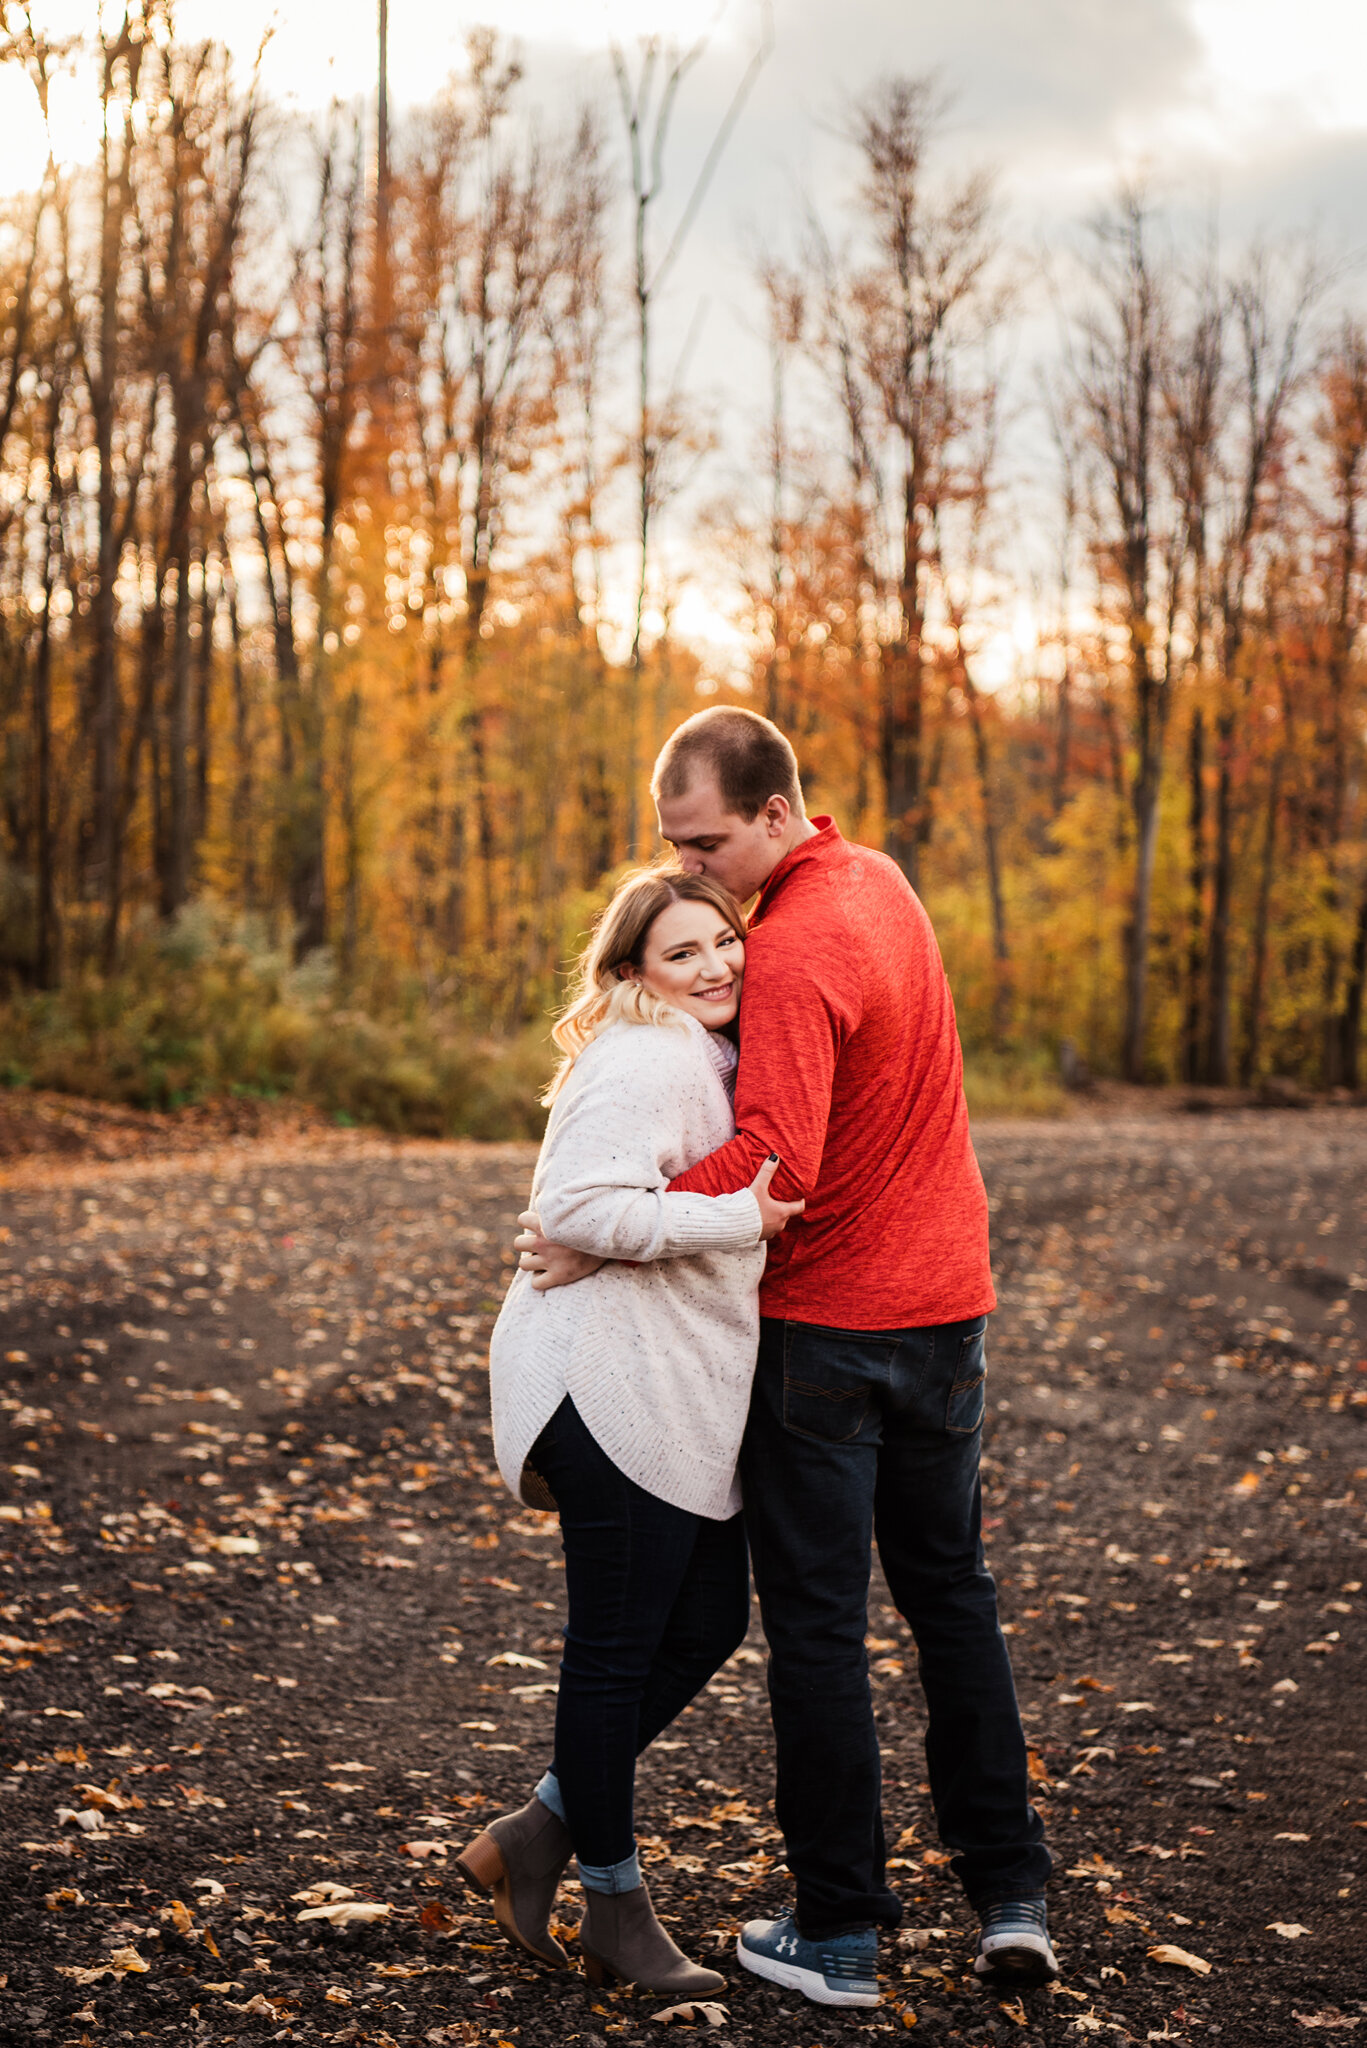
<point x="747" y="754"/>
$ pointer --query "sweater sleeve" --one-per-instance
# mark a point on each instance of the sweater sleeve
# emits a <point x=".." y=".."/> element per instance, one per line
<point x="601" y="1184"/>
<point x="797" y="1009"/>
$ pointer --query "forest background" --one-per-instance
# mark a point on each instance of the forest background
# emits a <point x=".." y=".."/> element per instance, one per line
<point x="329" y="448"/>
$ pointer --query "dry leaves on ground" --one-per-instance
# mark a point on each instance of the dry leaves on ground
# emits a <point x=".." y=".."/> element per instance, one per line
<point x="1180" y="1958"/>
<point x="349" y="1913"/>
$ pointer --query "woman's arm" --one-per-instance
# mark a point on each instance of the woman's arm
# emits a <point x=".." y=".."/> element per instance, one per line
<point x="601" y="1186"/>
<point x="557" y="1265"/>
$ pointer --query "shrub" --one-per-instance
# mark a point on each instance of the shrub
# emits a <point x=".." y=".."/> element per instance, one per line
<point x="208" y="1006"/>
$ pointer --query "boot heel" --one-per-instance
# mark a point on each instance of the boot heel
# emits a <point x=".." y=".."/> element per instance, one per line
<point x="597" y="1971"/>
<point x="482" y="1864"/>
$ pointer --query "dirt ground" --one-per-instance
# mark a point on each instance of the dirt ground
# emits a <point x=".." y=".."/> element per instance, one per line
<point x="270" y="1621"/>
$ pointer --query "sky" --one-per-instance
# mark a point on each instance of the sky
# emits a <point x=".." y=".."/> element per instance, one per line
<point x="1246" y="110"/>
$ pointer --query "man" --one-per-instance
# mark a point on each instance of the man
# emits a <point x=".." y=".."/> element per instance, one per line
<point x="866" y="1416"/>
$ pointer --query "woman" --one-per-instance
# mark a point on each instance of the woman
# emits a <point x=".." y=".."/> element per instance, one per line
<point x="621" y="1403"/>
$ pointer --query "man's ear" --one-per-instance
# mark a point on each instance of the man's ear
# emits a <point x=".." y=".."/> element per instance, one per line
<point x="777" y="812"/>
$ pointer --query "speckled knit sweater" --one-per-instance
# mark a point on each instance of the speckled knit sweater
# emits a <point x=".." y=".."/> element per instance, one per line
<point x="658" y="1355"/>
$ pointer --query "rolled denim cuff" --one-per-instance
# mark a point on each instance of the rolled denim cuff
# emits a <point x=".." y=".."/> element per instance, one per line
<point x="548" y="1792"/>
<point x="611" y="1877"/>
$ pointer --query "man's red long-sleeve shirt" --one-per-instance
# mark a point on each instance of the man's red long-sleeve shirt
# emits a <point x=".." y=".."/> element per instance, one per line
<point x="851" y="1071"/>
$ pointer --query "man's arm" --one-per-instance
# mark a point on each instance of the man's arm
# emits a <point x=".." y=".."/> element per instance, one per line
<point x="798" y="1007"/>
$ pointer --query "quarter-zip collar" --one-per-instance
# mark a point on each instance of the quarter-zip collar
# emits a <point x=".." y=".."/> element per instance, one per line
<point x="822" y="843"/>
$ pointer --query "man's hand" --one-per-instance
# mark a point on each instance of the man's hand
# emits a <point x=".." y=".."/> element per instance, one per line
<point x="551" y="1265"/>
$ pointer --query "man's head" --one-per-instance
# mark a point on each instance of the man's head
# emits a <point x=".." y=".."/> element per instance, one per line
<point x="728" y="797"/>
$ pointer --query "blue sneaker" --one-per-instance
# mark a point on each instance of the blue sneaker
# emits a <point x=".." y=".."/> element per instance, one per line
<point x="841" y="1970"/>
<point x="1014" y="1943"/>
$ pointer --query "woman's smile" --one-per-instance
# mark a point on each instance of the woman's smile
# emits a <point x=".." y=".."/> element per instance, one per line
<point x="695" y="959"/>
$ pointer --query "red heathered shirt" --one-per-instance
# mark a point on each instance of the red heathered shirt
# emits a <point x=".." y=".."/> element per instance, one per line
<point x="851" y="1071"/>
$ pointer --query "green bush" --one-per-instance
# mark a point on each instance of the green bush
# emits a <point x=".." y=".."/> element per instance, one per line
<point x="1012" y="1084"/>
<point x="209" y="1006"/>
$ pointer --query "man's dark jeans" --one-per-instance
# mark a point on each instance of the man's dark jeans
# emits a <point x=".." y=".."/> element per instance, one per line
<point x="852" y="1433"/>
<point x="658" y="1600"/>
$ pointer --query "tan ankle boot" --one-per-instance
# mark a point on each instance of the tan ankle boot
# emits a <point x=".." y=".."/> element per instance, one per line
<point x="621" y="1939"/>
<point x="518" y="1862"/>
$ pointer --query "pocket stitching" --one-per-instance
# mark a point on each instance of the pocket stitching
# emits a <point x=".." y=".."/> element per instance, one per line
<point x="961" y="1389"/>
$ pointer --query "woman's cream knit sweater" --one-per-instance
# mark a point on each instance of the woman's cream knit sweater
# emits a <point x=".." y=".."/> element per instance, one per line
<point x="658" y="1355"/>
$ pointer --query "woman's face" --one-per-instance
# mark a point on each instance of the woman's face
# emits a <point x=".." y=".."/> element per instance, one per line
<point x="695" y="960"/>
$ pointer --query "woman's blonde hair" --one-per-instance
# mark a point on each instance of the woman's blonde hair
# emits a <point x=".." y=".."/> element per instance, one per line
<point x="600" y="996"/>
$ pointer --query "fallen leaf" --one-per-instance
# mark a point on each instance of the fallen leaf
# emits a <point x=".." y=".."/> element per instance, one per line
<point x="1180" y="1959"/>
<point x="351" y="1914"/>
<point x="689" y="2015"/>
<point x="1331" y="2018"/>
<point x="518" y="1661"/>
<point x="1290" y="1930"/>
<point x="420" y="1851"/>
<point x="323" y="1893"/>
<point x="438" y="1918"/>
<point x="1014" y="2009"/>
<point x="1098" y="1867"/>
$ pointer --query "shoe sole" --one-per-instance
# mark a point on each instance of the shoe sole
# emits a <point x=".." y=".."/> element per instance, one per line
<point x="810" y="1983"/>
<point x="484" y="1870"/>
<point x="1021" y="1962"/>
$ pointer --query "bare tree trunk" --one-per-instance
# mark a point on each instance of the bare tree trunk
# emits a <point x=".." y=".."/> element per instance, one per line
<point x="1196" y="897"/>
<point x="1001" y="949"/>
<point x="176" y="875"/>
<point x="1253" y="1010"/>
<point x="104" y="691"/>
<point x="244" y="748"/>
<point x="203" y="718"/>
<point x="1350" y="1040"/>
<point x="47" y="955"/>
<point x="1146" y="794"/>
<point x="647" y="123"/>
<point x="903" y="721"/>
<point x="1063" y="736"/>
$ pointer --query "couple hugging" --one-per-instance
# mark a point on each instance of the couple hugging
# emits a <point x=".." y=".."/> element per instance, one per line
<point x="750" y="1319"/>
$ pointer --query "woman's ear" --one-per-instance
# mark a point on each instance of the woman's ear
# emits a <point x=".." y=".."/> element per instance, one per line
<point x="628" y="972"/>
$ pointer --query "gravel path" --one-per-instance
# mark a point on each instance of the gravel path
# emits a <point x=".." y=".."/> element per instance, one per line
<point x="270" y="1622"/>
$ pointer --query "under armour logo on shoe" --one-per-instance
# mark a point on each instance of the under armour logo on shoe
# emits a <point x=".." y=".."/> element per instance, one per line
<point x="787" y="1946"/>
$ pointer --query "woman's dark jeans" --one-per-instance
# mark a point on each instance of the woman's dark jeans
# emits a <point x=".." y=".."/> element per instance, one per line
<point x="854" y="1433"/>
<point x="658" y="1600"/>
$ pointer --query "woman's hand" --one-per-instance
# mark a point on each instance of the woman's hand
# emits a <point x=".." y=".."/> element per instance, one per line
<point x="551" y="1265"/>
<point x="774" y="1215"/>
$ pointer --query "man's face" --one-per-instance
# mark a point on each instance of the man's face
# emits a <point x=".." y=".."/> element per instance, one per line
<point x="739" y="853"/>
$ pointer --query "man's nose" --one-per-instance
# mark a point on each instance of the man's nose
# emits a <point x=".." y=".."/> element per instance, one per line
<point x="692" y="863"/>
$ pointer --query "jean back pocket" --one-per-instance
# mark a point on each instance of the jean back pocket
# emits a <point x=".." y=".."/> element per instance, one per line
<point x="828" y="1376"/>
<point x="968" y="1391"/>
